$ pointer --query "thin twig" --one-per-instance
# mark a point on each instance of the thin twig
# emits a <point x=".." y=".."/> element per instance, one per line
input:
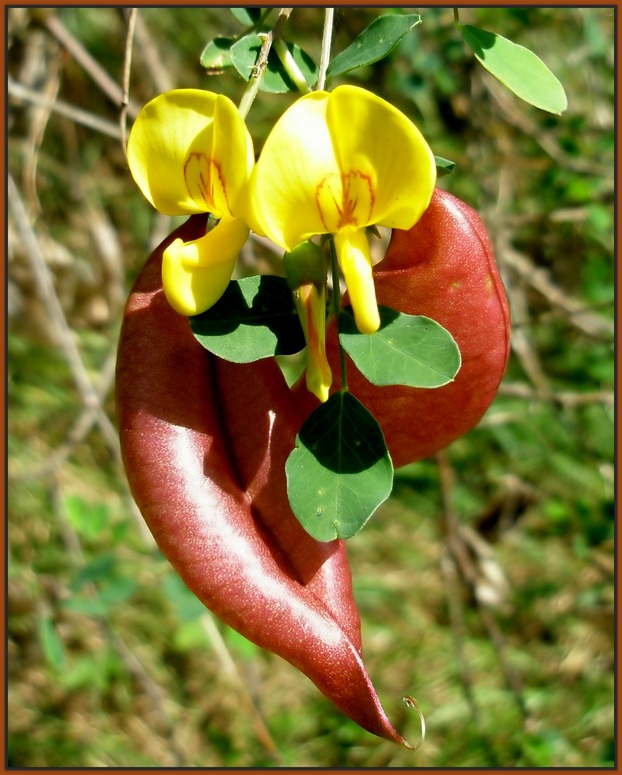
<point x="259" y="68"/>
<point x="566" y="398"/>
<point x="539" y="279"/>
<point x="153" y="61"/>
<point x="327" y="37"/>
<point x="72" y="112"/>
<point x="127" y="70"/>
<point x="231" y="671"/>
<point x="47" y="293"/>
<point x="90" y="65"/>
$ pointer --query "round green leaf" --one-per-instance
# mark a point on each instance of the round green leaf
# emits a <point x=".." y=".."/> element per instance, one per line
<point x="375" y="42"/>
<point x="244" y="55"/>
<point x="518" y="68"/>
<point x="247" y="16"/>
<point x="340" y="470"/>
<point x="215" y="56"/>
<point x="254" y="318"/>
<point x="410" y="350"/>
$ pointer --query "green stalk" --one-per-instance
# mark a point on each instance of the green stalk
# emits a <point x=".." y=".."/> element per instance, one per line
<point x="288" y="62"/>
<point x="337" y="310"/>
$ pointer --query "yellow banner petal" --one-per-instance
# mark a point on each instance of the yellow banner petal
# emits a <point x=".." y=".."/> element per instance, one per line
<point x="376" y="144"/>
<point x="296" y="158"/>
<point x="178" y="158"/>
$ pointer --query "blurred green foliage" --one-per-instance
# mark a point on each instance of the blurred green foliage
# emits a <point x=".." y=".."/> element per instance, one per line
<point x="508" y="650"/>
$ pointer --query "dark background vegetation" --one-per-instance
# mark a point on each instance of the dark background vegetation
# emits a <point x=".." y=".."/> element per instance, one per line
<point x="485" y="583"/>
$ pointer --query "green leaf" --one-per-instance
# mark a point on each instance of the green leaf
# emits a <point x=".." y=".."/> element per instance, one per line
<point x="88" y="606"/>
<point x="51" y="643"/>
<point x="410" y="350"/>
<point x="444" y="166"/>
<point x="518" y="68"/>
<point x="247" y="16"/>
<point x="216" y="56"/>
<point x="374" y="43"/>
<point x="275" y="80"/>
<point x="255" y="318"/>
<point x="189" y="607"/>
<point x="340" y="470"/>
<point x="99" y="568"/>
<point x="88" y="519"/>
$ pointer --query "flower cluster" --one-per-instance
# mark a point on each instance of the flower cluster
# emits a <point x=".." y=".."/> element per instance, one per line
<point x="335" y="163"/>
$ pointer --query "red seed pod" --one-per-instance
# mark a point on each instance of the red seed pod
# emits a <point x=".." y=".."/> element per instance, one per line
<point x="442" y="268"/>
<point x="204" y="444"/>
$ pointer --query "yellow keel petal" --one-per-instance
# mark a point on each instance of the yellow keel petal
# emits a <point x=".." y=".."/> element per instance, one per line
<point x="354" y="259"/>
<point x="196" y="274"/>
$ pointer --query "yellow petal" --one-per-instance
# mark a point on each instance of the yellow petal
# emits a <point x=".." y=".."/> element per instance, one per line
<point x="178" y="159"/>
<point x="297" y="156"/>
<point x="377" y="143"/>
<point x="196" y="274"/>
<point x="311" y="306"/>
<point x="352" y="250"/>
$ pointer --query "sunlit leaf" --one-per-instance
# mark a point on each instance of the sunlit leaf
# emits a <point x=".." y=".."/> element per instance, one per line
<point x="518" y="68"/>
<point x="375" y="42"/>
<point x="410" y="350"/>
<point x="51" y="643"/>
<point x="216" y="54"/>
<point x="340" y="470"/>
<point x="99" y="568"/>
<point x="247" y="16"/>
<point x="88" y="519"/>
<point x="255" y="318"/>
<point x="444" y="166"/>
<point x="244" y="56"/>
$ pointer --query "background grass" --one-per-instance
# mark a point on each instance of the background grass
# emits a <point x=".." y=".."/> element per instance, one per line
<point x="485" y="583"/>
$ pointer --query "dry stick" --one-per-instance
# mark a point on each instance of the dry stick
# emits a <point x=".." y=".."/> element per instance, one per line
<point x="107" y="84"/>
<point x="38" y="121"/>
<point x="567" y="399"/>
<point x="47" y="293"/>
<point x="79" y="430"/>
<point x="546" y="141"/>
<point x="450" y="573"/>
<point x="464" y="563"/>
<point x="327" y="36"/>
<point x="577" y="313"/>
<point x="72" y="112"/>
<point x="127" y="70"/>
<point x="231" y="671"/>
<point x="147" y="50"/>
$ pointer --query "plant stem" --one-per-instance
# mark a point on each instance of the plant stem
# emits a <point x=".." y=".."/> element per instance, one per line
<point x="288" y="62"/>
<point x="337" y="310"/>
<point x="457" y="24"/>
<point x="260" y="65"/>
<point x="327" y="37"/>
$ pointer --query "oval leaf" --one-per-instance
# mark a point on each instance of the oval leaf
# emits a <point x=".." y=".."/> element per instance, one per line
<point x="410" y="350"/>
<point x="374" y="43"/>
<point x="275" y="80"/>
<point x="518" y="68"/>
<point x="215" y="56"/>
<point x="254" y="318"/>
<point x="443" y="166"/>
<point x="339" y="471"/>
<point x="247" y="16"/>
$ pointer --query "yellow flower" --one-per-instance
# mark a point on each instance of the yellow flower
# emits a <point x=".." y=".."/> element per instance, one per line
<point x="305" y="269"/>
<point x="336" y="163"/>
<point x="190" y="152"/>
